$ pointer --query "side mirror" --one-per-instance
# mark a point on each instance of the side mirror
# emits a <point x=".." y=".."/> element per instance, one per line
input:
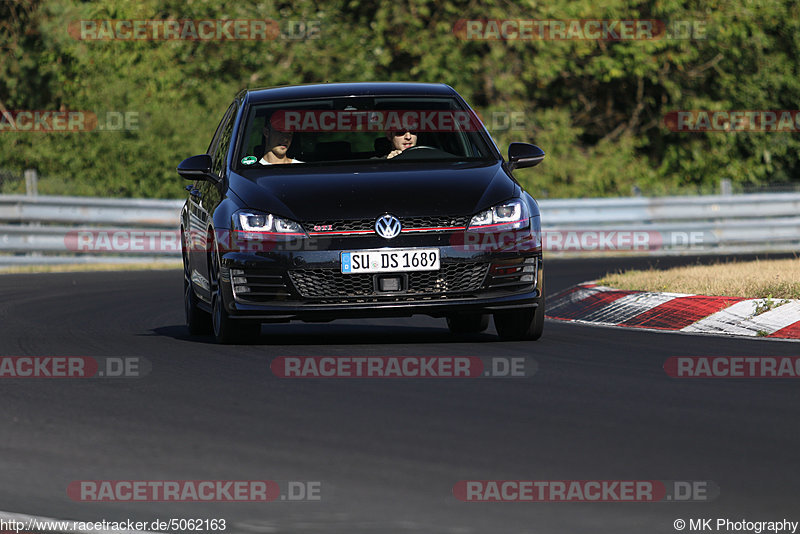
<point x="522" y="155"/>
<point x="197" y="168"/>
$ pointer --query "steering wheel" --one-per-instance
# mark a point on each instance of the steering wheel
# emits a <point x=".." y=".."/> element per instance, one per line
<point x="416" y="148"/>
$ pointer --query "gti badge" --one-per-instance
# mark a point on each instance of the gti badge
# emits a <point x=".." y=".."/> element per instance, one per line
<point x="387" y="226"/>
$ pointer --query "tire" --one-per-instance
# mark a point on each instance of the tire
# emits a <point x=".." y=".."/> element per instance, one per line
<point x="226" y="330"/>
<point x="198" y="321"/>
<point x="519" y="325"/>
<point x="472" y="323"/>
<point x="229" y="331"/>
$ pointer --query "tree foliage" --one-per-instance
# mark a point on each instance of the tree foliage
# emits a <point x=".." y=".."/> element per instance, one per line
<point x="596" y="107"/>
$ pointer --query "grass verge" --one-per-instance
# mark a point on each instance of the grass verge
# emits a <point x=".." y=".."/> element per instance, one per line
<point x="773" y="279"/>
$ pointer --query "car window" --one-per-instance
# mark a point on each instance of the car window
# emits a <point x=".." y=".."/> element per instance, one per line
<point x="215" y="139"/>
<point x="223" y="141"/>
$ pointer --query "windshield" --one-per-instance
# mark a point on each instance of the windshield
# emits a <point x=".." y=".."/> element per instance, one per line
<point x="384" y="130"/>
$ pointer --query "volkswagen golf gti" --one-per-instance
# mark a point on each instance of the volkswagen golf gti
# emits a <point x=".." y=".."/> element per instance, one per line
<point x="357" y="200"/>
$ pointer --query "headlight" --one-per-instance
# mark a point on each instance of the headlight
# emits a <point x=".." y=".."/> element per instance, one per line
<point x="510" y="215"/>
<point x="266" y="223"/>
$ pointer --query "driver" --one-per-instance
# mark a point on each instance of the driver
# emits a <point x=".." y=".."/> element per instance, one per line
<point x="277" y="145"/>
<point x="401" y="141"/>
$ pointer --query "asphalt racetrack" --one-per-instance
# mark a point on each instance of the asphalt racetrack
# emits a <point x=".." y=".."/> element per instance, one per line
<point x="387" y="452"/>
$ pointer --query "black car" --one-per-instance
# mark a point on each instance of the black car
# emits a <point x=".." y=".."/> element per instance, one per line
<point x="395" y="201"/>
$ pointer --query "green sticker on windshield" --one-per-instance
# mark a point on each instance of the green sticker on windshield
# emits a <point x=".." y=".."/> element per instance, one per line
<point x="249" y="160"/>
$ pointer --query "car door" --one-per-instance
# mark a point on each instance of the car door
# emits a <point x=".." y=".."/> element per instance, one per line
<point x="203" y="199"/>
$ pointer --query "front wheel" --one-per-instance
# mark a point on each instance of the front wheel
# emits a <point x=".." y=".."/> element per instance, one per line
<point x="197" y="321"/>
<point x="230" y="331"/>
<point x="225" y="329"/>
<point x="468" y="323"/>
<point x="518" y="325"/>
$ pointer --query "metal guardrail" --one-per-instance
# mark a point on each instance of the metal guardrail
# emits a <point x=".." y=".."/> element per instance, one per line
<point x="46" y="229"/>
<point x="645" y="210"/>
<point x="92" y="211"/>
<point x="762" y="222"/>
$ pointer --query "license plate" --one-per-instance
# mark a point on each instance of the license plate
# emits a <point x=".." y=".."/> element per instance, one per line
<point x="390" y="261"/>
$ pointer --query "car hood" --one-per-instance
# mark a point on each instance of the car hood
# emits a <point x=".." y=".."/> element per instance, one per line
<point x="313" y="193"/>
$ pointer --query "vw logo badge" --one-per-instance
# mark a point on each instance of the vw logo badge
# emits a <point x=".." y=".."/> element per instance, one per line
<point x="387" y="226"/>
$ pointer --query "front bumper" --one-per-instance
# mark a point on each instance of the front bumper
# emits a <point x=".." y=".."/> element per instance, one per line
<point x="302" y="280"/>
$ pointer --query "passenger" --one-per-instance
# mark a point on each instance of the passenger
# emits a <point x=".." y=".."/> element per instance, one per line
<point x="277" y="145"/>
<point x="400" y="141"/>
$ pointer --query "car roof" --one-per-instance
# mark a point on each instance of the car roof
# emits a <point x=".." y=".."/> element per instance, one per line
<point x="331" y="90"/>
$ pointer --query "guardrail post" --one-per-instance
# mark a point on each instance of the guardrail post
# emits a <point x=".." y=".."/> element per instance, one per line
<point x="725" y="187"/>
<point x="32" y="190"/>
<point x="31" y="182"/>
